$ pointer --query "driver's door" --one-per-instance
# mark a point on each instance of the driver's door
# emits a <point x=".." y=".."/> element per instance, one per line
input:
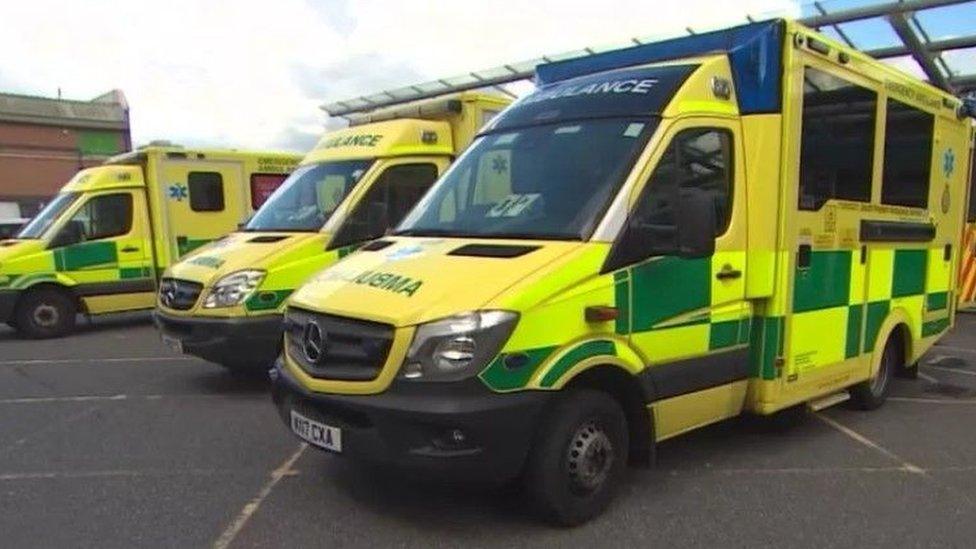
<point x="104" y="247"/>
<point x="688" y="318"/>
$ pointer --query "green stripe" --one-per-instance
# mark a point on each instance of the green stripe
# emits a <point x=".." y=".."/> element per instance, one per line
<point x="500" y="377"/>
<point x="766" y="345"/>
<point x="346" y="250"/>
<point x="908" y="275"/>
<point x="267" y="300"/>
<point x="825" y="283"/>
<point x="877" y="311"/>
<point x="723" y="334"/>
<point x="621" y="298"/>
<point x="134" y="272"/>
<point x="937" y="301"/>
<point x="934" y="327"/>
<point x="745" y="326"/>
<point x="665" y="288"/>
<point x="855" y="313"/>
<point x="80" y="256"/>
<point x="185" y="245"/>
<point x="576" y="355"/>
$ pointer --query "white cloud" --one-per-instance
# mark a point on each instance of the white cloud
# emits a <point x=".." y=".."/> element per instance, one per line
<point x="249" y="73"/>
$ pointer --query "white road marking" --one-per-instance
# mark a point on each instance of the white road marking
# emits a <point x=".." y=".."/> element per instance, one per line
<point x="951" y="370"/>
<point x="955" y="349"/>
<point x="906" y="465"/>
<point x="285" y="469"/>
<point x="29" y="362"/>
<point x="104" y="398"/>
<point x="45" y="475"/>
<point x="928" y="378"/>
<point x="968" y="401"/>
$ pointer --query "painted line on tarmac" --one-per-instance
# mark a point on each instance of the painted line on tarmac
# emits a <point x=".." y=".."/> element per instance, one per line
<point x="28" y="362"/>
<point x="285" y="469"/>
<point x="964" y="401"/>
<point x="954" y="349"/>
<point x="950" y="370"/>
<point x="906" y="465"/>
<point x="106" y="398"/>
<point x="124" y="473"/>
<point x="928" y="378"/>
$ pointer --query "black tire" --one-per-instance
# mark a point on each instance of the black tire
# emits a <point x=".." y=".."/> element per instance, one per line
<point x="872" y="393"/>
<point x="578" y="457"/>
<point x="45" y="313"/>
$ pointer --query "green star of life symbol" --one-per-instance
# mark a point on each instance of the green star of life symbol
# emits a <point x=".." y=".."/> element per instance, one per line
<point x="177" y="192"/>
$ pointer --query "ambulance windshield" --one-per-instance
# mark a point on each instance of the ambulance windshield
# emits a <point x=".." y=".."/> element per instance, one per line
<point x="308" y="197"/>
<point x="41" y="222"/>
<point x="548" y="181"/>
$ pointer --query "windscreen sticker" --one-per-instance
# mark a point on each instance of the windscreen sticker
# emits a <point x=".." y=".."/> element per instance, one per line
<point x="506" y="139"/>
<point x="513" y="205"/>
<point x="633" y="130"/>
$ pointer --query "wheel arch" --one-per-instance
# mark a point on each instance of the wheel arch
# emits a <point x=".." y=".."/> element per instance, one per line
<point x="897" y="324"/>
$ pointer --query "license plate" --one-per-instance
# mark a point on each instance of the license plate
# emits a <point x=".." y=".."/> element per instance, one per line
<point x="319" y="434"/>
<point x="173" y="343"/>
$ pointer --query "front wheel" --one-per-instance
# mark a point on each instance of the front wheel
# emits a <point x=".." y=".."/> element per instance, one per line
<point x="872" y="393"/>
<point x="45" y="313"/>
<point x="579" y="457"/>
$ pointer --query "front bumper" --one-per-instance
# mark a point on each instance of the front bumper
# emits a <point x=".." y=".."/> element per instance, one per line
<point x="8" y="301"/>
<point x="234" y="341"/>
<point x="411" y="426"/>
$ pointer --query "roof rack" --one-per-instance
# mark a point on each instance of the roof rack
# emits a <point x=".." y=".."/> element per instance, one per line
<point x="920" y="45"/>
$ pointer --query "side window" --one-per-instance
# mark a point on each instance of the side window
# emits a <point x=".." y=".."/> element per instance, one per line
<point x="263" y="185"/>
<point x="698" y="159"/>
<point x="103" y="216"/>
<point x="907" y="155"/>
<point x="206" y="191"/>
<point x="386" y="202"/>
<point x="837" y="141"/>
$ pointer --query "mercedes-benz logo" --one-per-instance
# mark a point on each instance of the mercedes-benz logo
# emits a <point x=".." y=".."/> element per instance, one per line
<point x="167" y="295"/>
<point x="313" y="342"/>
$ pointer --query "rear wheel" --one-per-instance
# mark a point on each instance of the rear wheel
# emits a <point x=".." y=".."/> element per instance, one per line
<point x="578" y="458"/>
<point x="45" y="313"/>
<point x="872" y="393"/>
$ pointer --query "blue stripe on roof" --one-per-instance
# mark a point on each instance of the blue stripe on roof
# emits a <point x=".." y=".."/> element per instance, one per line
<point x="755" y="53"/>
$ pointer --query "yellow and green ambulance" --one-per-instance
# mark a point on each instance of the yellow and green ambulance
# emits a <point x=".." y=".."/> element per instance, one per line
<point x="746" y="220"/>
<point x="98" y="246"/>
<point x="225" y="302"/>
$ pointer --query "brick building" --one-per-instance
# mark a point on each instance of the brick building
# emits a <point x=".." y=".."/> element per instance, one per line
<point x="44" y="141"/>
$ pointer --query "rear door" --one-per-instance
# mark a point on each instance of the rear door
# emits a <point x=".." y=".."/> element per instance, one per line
<point x="203" y="200"/>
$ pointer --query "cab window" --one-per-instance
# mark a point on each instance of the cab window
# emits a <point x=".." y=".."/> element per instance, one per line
<point x="386" y="203"/>
<point x="206" y="191"/>
<point x="103" y="216"/>
<point x="697" y="159"/>
<point x="837" y="141"/>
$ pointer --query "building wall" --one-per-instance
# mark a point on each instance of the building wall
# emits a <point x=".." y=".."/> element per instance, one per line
<point x="36" y="160"/>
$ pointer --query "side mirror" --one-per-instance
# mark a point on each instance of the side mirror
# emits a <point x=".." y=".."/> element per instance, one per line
<point x="71" y="233"/>
<point x="696" y="224"/>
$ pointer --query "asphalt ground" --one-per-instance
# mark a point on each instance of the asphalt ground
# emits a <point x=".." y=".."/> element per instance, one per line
<point x="108" y="439"/>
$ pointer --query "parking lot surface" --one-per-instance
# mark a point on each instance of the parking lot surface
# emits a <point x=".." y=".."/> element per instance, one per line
<point x="108" y="439"/>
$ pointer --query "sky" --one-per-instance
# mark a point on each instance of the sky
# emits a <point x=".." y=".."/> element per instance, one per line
<point x="253" y="74"/>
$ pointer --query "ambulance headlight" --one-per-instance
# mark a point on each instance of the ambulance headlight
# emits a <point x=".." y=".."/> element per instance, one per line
<point x="233" y="289"/>
<point x="457" y="347"/>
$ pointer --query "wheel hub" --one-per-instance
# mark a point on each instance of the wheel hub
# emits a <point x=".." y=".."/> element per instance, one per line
<point x="46" y="315"/>
<point x="589" y="458"/>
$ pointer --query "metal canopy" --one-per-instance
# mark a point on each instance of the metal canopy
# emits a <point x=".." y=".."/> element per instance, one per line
<point x="933" y="39"/>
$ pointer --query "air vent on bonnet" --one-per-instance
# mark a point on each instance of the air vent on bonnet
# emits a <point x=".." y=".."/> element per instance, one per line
<point x="492" y="250"/>
<point x="267" y="239"/>
<point x="376" y="245"/>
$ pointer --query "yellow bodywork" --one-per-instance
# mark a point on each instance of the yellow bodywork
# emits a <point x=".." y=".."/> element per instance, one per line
<point x="799" y="331"/>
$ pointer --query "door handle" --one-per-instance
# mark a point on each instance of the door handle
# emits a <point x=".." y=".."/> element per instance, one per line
<point x="130" y="249"/>
<point x="728" y="273"/>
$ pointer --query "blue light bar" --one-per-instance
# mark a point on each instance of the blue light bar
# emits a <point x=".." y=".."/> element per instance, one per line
<point x="755" y="53"/>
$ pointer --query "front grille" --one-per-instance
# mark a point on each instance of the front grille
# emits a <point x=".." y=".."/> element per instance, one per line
<point x="346" y="349"/>
<point x="178" y="294"/>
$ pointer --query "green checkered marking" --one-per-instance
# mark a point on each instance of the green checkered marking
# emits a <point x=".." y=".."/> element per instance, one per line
<point x="825" y="283"/>
<point x="621" y="297"/>
<point x="723" y="334"/>
<point x="185" y="245"/>
<point x="908" y="274"/>
<point x="668" y="287"/>
<point x="877" y="311"/>
<point x="81" y="256"/>
<point x="934" y="327"/>
<point x="765" y="345"/>
<point x="855" y="315"/>
<point x="126" y="273"/>
<point x="937" y="301"/>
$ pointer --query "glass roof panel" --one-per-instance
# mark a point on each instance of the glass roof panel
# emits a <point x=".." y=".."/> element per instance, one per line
<point x="961" y="62"/>
<point x="948" y="21"/>
<point x="871" y="34"/>
<point x="906" y="63"/>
